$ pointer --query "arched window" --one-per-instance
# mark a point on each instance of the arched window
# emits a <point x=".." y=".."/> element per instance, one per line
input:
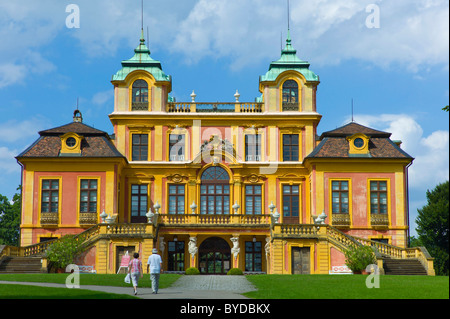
<point x="290" y="96"/>
<point x="140" y="95"/>
<point x="215" y="191"/>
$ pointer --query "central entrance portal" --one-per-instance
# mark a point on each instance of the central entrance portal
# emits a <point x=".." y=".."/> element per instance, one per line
<point x="214" y="256"/>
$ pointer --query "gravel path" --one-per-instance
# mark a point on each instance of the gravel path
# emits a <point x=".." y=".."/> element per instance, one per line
<point x="238" y="284"/>
<point x="186" y="287"/>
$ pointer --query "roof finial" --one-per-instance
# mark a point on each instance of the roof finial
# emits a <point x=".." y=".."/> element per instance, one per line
<point x="288" y="17"/>
<point x="77" y="117"/>
<point x="142" y="22"/>
<point x="142" y="15"/>
<point x="352" y="111"/>
<point x="288" y="39"/>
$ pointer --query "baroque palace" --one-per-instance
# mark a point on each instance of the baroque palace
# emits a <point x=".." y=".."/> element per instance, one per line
<point x="215" y="186"/>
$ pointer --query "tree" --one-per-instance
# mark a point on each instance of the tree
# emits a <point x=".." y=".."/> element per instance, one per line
<point x="432" y="226"/>
<point x="10" y="219"/>
<point x="445" y="108"/>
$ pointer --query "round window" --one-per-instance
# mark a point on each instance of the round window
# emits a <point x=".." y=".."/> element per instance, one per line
<point x="70" y="142"/>
<point x="358" y="142"/>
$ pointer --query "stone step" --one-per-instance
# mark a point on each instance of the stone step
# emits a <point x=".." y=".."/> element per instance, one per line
<point x="20" y="265"/>
<point x="403" y="267"/>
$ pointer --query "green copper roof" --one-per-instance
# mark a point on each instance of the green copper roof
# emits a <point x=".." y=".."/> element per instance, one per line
<point x="289" y="61"/>
<point x="141" y="61"/>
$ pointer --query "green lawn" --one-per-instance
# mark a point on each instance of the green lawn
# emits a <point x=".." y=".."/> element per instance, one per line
<point x="35" y="292"/>
<point x="166" y="280"/>
<point x="269" y="286"/>
<point x="347" y="287"/>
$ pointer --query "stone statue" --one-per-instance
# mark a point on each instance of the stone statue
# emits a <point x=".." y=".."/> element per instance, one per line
<point x="267" y="246"/>
<point x="192" y="246"/>
<point x="235" y="250"/>
<point x="162" y="245"/>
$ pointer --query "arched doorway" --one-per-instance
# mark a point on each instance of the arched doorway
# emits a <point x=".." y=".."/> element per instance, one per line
<point x="214" y="256"/>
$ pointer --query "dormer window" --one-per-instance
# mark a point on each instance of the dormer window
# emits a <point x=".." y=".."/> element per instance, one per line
<point x="139" y="100"/>
<point x="358" y="145"/>
<point x="290" y="96"/>
<point x="70" y="144"/>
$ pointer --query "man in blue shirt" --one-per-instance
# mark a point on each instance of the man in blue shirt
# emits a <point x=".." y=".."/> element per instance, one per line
<point x="155" y="264"/>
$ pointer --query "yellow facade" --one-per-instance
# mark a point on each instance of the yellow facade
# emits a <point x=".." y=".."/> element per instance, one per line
<point x="232" y="185"/>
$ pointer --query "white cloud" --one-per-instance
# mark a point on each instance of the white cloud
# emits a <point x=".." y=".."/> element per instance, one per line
<point x="413" y="33"/>
<point x="7" y="161"/>
<point x="11" y="73"/>
<point x="26" y="27"/>
<point x="103" y="97"/>
<point x="437" y="141"/>
<point x="14" y="131"/>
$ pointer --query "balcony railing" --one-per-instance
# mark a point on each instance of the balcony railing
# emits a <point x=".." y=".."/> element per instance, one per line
<point x="206" y="219"/>
<point x="253" y="158"/>
<point x="139" y="106"/>
<point x="340" y="220"/>
<point x="290" y="106"/>
<point x="186" y="107"/>
<point x="88" y="218"/>
<point x="176" y="158"/>
<point x="379" y="220"/>
<point x="49" y="218"/>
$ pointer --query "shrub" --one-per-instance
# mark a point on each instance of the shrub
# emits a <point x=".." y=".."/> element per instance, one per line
<point x="235" y="271"/>
<point x="357" y="258"/>
<point x="64" y="251"/>
<point x="192" y="271"/>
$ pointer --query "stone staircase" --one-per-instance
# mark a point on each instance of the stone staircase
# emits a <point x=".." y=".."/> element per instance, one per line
<point x="403" y="267"/>
<point x="24" y="265"/>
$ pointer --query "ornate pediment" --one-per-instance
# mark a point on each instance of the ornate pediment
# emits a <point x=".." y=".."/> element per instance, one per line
<point x="216" y="143"/>
<point x="292" y="176"/>
<point x="177" y="178"/>
<point x="254" y="178"/>
<point x="215" y="150"/>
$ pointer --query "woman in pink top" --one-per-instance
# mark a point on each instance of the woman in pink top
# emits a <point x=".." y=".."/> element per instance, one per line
<point x="135" y="269"/>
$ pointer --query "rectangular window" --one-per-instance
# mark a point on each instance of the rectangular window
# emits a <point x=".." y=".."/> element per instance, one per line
<point x="290" y="147"/>
<point x="139" y="202"/>
<point x="139" y="147"/>
<point x="176" y="199"/>
<point x="50" y="196"/>
<point x="176" y="256"/>
<point x="253" y="256"/>
<point x="339" y="197"/>
<point x="215" y="199"/>
<point x="253" y="199"/>
<point x="176" y="147"/>
<point x="291" y="205"/>
<point x="88" y="196"/>
<point x="378" y="197"/>
<point x="253" y="147"/>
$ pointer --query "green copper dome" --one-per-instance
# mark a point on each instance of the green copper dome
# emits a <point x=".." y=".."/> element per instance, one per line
<point x="289" y="61"/>
<point x="141" y="61"/>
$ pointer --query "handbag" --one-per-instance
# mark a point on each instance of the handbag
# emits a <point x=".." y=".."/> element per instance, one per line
<point x="128" y="278"/>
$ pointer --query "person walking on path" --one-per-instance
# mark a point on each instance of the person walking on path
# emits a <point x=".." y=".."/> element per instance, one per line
<point x="135" y="270"/>
<point x="155" y="264"/>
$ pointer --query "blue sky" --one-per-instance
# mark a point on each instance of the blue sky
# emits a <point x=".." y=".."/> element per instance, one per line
<point x="397" y="74"/>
